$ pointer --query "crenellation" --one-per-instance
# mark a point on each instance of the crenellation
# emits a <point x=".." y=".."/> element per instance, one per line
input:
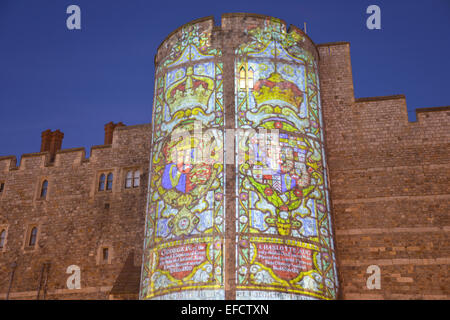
<point x="32" y="160"/>
<point x="7" y="163"/>
<point x="70" y="157"/>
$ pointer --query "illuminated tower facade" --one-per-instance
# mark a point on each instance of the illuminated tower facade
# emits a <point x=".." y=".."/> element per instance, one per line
<point x="238" y="202"/>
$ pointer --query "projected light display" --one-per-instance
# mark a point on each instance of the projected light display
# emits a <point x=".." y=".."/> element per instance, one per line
<point x="184" y="231"/>
<point x="284" y="242"/>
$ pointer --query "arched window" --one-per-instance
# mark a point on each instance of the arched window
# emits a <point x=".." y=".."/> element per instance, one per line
<point x="129" y="180"/>
<point x="250" y="80"/>
<point x="33" y="236"/>
<point x="44" y="189"/>
<point x="137" y="178"/>
<point x="242" y="78"/>
<point x="101" y="183"/>
<point x="109" y="181"/>
<point x="2" y="238"/>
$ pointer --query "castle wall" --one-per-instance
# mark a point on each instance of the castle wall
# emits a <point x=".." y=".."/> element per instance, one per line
<point x="73" y="221"/>
<point x="390" y="187"/>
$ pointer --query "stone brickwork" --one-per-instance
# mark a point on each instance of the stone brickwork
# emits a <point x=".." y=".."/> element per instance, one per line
<point x="390" y="187"/>
<point x="389" y="181"/>
<point x="75" y="221"/>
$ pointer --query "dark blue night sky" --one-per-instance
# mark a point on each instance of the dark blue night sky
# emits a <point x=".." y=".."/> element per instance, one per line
<point x="76" y="81"/>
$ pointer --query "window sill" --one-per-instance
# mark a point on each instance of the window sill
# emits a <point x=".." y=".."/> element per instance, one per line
<point x="103" y="191"/>
<point x="29" y="249"/>
<point x="131" y="188"/>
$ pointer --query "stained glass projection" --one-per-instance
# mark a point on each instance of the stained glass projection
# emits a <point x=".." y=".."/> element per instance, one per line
<point x="281" y="209"/>
<point x="183" y="256"/>
<point x="284" y="238"/>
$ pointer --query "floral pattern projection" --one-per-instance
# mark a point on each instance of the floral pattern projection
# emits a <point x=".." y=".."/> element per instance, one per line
<point x="183" y="256"/>
<point x="284" y="243"/>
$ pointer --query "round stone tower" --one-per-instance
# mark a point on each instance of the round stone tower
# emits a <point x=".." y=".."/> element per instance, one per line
<point x="238" y="203"/>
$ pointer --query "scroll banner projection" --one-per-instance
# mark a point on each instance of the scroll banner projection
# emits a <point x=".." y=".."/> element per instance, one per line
<point x="183" y="256"/>
<point x="284" y="243"/>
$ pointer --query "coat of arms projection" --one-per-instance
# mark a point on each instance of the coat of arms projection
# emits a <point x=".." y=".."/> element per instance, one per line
<point x="284" y="241"/>
<point x="183" y="256"/>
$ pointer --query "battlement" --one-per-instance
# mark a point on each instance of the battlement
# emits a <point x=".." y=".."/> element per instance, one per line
<point x="75" y="156"/>
<point x="432" y="112"/>
<point x="433" y="116"/>
<point x="337" y="79"/>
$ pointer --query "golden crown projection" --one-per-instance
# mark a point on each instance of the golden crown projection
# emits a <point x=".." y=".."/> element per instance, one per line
<point x="190" y="91"/>
<point x="276" y="88"/>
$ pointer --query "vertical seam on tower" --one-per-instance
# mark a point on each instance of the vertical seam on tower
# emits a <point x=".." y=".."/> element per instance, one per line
<point x="230" y="183"/>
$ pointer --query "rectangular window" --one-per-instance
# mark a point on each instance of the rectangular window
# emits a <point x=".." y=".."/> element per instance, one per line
<point x="2" y="238"/>
<point x="2" y="187"/>
<point x="137" y="178"/>
<point x="33" y="237"/>
<point x="105" y="254"/>
<point x="132" y="179"/>
<point x="129" y="180"/>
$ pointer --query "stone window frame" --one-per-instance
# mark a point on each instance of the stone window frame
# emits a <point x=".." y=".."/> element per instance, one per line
<point x="101" y="182"/>
<point x="99" y="257"/>
<point x="44" y="190"/>
<point x="124" y="174"/>
<point x="108" y="180"/>
<point x="106" y="172"/>
<point x="4" y="227"/>
<point x="38" y="191"/>
<point x="29" y="227"/>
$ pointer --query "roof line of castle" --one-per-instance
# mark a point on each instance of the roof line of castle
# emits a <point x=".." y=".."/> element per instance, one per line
<point x="433" y="109"/>
<point x="47" y="163"/>
<point x="403" y="97"/>
<point x="336" y="43"/>
<point x="379" y="98"/>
